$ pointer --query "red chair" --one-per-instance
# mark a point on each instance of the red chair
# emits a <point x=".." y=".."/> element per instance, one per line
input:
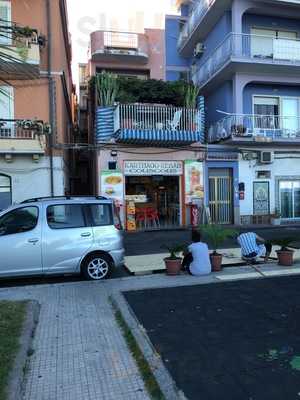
<point x="152" y="217"/>
<point x="140" y="218"/>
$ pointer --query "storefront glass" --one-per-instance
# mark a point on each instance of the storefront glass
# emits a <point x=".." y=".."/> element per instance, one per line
<point x="289" y="199"/>
<point x="156" y="199"/>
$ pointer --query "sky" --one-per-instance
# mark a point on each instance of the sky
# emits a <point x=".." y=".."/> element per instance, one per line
<point x="125" y="15"/>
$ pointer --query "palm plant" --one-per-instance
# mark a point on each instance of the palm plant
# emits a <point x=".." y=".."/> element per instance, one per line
<point x="174" y="250"/>
<point x="216" y="235"/>
<point x="107" y="89"/>
<point x="284" y="243"/>
<point x="191" y="96"/>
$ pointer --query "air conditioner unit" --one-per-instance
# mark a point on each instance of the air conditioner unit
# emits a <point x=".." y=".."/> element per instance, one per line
<point x="199" y="49"/>
<point x="266" y="157"/>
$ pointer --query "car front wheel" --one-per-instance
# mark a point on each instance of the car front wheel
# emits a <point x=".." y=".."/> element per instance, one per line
<point x="97" y="267"/>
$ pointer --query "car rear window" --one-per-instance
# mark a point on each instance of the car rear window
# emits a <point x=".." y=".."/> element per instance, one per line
<point x="65" y="216"/>
<point x="101" y="214"/>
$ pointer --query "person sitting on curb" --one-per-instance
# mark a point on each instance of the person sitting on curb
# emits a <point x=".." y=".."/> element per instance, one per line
<point x="196" y="261"/>
<point x="253" y="246"/>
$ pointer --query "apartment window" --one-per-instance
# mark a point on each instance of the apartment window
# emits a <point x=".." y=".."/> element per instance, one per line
<point x="262" y="42"/>
<point x="5" y="21"/>
<point x="266" y="110"/>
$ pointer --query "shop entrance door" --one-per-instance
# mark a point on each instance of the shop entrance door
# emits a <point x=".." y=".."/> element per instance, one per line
<point x="157" y="200"/>
<point x="221" y="196"/>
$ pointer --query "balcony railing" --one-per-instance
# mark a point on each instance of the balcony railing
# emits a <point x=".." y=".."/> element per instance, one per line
<point x="266" y="128"/>
<point x="157" y="118"/>
<point x="195" y="17"/>
<point x="23" y="129"/>
<point x="256" y="48"/>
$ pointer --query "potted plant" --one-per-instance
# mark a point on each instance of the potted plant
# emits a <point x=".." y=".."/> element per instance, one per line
<point x="276" y="218"/>
<point x="173" y="261"/>
<point x="216" y="235"/>
<point x="285" y="255"/>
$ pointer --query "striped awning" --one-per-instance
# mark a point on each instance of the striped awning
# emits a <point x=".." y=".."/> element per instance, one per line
<point x="159" y="137"/>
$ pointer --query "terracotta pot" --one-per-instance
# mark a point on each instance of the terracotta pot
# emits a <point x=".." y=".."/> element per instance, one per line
<point x="173" y="266"/>
<point x="285" y="257"/>
<point x="216" y="262"/>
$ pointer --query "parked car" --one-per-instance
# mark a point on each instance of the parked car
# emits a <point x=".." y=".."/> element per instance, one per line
<point x="61" y="235"/>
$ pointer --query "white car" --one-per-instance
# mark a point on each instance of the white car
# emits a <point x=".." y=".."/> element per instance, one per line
<point x="61" y="235"/>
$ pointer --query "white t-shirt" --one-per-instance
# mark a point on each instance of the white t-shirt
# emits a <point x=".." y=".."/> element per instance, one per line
<point x="201" y="261"/>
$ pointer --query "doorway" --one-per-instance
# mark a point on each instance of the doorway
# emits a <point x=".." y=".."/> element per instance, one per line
<point x="221" y="195"/>
<point x="157" y="200"/>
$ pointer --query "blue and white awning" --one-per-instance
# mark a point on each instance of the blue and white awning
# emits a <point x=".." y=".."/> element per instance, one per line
<point x="159" y="137"/>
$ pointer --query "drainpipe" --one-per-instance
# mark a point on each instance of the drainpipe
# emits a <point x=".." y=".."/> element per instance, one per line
<point x="51" y="94"/>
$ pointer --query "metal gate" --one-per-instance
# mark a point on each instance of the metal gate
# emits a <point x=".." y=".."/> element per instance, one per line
<point x="220" y="199"/>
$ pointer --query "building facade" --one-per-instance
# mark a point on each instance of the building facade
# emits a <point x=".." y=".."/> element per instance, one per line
<point x="149" y="156"/>
<point x="36" y="114"/>
<point x="245" y="57"/>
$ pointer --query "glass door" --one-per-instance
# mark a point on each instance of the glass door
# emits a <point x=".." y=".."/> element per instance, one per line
<point x="289" y="111"/>
<point x="289" y="199"/>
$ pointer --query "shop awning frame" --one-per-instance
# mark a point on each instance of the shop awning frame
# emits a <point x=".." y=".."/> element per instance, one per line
<point x="159" y="138"/>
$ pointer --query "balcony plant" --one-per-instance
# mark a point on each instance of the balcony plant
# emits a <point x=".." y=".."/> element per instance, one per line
<point x="216" y="236"/>
<point x="173" y="261"/>
<point x="107" y="89"/>
<point x="285" y="254"/>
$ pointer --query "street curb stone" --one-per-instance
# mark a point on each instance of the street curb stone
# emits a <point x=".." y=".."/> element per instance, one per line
<point x="160" y="372"/>
<point x="16" y="376"/>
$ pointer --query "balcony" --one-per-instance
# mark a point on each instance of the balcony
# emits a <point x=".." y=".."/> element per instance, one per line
<point x="151" y="125"/>
<point x="256" y="128"/>
<point x="201" y="20"/>
<point x="111" y="47"/>
<point x="20" y="57"/>
<point x="16" y="138"/>
<point x="257" y="54"/>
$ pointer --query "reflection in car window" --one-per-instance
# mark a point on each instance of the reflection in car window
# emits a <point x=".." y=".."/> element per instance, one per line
<point x="65" y="216"/>
<point x="20" y="220"/>
<point x="101" y="214"/>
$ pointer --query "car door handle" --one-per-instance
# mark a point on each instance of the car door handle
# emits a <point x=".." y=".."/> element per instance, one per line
<point x="86" y="234"/>
<point x="34" y="240"/>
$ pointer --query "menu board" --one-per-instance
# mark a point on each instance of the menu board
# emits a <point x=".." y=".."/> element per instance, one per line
<point x="194" y="188"/>
<point x="130" y="211"/>
<point x="112" y="185"/>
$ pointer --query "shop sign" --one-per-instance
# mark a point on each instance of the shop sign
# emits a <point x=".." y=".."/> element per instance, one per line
<point x="150" y="168"/>
<point x="112" y="185"/>
<point x="193" y="181"/>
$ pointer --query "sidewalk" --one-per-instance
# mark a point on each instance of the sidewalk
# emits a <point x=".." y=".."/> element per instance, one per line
<point x="79" y="351"/>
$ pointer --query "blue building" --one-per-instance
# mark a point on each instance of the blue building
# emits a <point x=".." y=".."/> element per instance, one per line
<point x="245" y="57"/>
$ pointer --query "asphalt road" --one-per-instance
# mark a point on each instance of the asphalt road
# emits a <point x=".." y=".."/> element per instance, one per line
<point x="234" y="340"/>
<point x="141" y="243"/>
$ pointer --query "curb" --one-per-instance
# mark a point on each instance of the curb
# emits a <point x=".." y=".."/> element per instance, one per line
<point x="16" y="376"/>
<point x="160" y="372"/>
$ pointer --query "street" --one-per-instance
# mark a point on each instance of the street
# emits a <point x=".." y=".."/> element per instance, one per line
<point x="141" y="243"/>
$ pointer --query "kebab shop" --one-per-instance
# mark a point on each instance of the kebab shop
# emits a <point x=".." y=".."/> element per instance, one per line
<point x="155" y="194"/>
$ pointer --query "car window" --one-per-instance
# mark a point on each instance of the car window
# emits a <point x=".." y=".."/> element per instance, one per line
<point x="19" y="220"/>
<point x="101" y="214"/>
<point x="65" y="216"/>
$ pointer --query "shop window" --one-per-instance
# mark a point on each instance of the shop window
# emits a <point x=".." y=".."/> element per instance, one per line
<point x="5" y="192"/>
<point x="289" y="192"/>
